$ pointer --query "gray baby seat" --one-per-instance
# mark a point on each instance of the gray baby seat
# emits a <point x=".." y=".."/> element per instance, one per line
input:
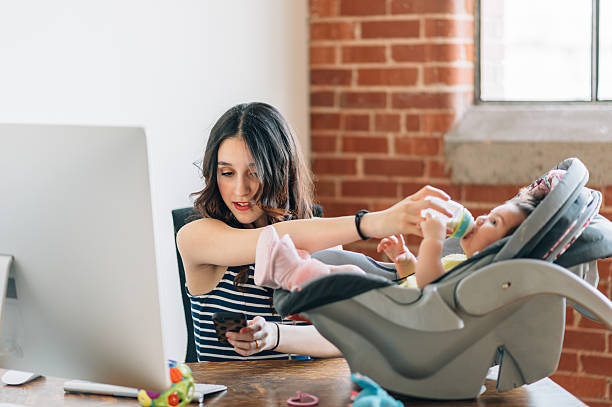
<point x="504" y="306"/>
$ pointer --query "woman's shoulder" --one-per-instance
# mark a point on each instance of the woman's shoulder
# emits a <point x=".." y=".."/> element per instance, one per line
<point x="197" y="234"/>
<point x="199" y="227"/>
<point x="203" y="223"/>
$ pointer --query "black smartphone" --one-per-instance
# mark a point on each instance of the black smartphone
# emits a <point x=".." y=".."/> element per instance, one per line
<point x="228" y="321"/>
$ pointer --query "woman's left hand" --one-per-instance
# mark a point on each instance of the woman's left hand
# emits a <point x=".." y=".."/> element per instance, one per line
<point x="257" y="336"/>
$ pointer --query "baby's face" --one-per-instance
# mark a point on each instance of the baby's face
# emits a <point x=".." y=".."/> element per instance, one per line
<point x="492" y="227"/>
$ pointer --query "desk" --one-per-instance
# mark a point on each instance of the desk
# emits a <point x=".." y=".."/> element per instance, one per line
<point x="270" y="383"/>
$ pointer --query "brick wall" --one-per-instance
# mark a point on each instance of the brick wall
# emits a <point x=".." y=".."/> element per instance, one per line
<point x="387" y="79"/>
<point x="585" y="368"/>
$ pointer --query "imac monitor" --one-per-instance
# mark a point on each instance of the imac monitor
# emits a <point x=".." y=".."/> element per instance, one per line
<point x="75" y="217"/>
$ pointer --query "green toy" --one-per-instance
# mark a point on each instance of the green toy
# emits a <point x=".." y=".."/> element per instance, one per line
<point x="180" y="393"/>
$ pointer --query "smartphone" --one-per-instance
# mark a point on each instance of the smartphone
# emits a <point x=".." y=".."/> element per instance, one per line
<point x="228" y="321"/>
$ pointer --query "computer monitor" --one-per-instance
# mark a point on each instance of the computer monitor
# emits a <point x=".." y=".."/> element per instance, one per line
<point x="75" y="215"/>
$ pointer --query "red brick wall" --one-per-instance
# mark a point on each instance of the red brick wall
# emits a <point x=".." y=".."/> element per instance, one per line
<point x="387" y="79"/>
<point x="585" y="368"/>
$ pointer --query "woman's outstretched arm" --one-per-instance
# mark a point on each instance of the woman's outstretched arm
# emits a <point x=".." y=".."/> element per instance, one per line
<point x="212" y="242"/>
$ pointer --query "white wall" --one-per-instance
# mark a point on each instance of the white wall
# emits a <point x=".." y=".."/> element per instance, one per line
<point x="171" y="66"/>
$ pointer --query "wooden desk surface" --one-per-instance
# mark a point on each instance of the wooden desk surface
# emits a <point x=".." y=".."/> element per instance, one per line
<point x="271" y="383"/>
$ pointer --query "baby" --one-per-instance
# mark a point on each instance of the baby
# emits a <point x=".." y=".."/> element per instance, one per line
<point x="279" y="264"/>
<point x="488" y="229"/>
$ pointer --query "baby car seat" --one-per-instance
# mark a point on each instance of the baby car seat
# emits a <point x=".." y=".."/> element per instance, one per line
<point x="504" y="306"/>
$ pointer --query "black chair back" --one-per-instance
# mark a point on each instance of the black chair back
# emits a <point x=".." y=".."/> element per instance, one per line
<point x="180" y="218"/>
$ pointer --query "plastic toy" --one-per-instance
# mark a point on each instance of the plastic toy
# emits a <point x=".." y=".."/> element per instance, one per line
<point x="303" y="399"/>
<point x="180" y="393"/>
<point x="371" y="394"/>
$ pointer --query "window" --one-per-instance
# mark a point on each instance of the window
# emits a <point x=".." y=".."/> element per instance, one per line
<point x="545" y="50"/>
<point x="544" y="77"/>
<point x="605" y="50"/>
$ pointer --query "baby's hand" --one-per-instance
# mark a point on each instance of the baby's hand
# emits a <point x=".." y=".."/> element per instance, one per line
<point x="395" y="248"/>
<point x="433" y="227"/>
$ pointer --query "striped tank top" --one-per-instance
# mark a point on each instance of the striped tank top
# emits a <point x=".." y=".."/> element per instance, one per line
<point x="253" y="301"/>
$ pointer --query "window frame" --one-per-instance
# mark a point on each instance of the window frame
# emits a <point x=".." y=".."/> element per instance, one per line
<point x="594" y="65"/>
<point x="503" y="133"/>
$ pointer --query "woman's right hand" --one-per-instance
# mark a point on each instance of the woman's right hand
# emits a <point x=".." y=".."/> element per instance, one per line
<point x="405" y="216"/>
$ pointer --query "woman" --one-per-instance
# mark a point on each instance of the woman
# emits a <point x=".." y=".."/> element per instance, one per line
<point x="256" y="176"/>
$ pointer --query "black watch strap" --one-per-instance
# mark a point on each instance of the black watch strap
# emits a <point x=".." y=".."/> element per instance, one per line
<point x="358" y="217"/>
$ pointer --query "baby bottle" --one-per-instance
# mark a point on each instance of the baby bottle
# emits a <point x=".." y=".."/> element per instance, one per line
<point x="462" y="220"/>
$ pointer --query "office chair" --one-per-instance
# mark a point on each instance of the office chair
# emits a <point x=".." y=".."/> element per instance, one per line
<point x="181" y="217"/>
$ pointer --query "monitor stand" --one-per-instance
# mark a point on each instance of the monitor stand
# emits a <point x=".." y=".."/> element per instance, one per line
<point x="5" y="268"/>
<point x="11" y="377"/>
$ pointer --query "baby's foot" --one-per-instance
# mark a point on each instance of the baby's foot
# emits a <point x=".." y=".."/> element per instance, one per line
<point x="275" y="259"/>
<point x="266" y="243"/>
<point x="286" y="262"/>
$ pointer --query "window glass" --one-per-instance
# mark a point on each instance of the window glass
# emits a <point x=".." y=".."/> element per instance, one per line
<point x="605" y="50"/>
<point x="535" y="50"/>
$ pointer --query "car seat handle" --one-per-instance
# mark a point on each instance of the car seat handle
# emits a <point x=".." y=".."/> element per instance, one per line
<point x="505" y="282"/>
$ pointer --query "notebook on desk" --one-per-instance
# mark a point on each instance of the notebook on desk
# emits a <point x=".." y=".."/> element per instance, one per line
<point x="83" y="386"/>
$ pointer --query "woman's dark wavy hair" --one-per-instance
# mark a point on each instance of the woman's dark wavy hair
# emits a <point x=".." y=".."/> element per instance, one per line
<point x="285" y="190"/>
